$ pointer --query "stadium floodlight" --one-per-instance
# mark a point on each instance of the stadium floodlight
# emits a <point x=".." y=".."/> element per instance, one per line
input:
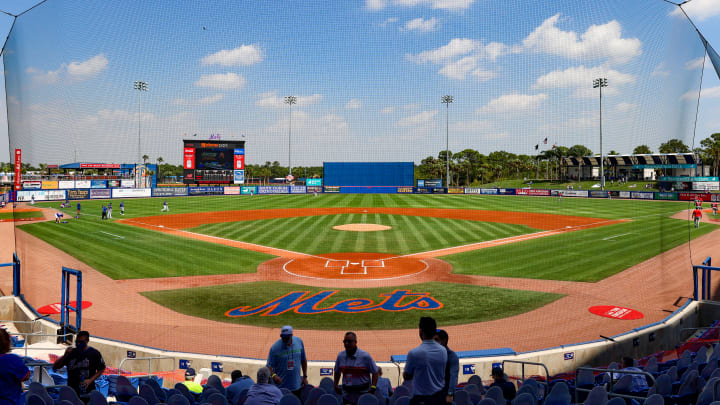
<point x="140" y="86"/>
<point x="447" y="100"/>
<point x="290" y="100"/>
<point x="599" y="84"/>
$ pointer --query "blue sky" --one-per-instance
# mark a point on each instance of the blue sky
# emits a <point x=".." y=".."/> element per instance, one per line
<point x="368" y="75"/>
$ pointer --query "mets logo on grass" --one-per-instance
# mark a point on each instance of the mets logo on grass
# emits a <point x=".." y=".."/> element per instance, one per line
<point x="305" y="303"/>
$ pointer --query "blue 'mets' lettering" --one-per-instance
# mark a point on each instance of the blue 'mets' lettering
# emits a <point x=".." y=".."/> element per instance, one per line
<point x="301" y="302"/>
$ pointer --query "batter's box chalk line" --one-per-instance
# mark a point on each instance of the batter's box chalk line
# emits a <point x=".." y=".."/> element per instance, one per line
<point x="336" y="263"/>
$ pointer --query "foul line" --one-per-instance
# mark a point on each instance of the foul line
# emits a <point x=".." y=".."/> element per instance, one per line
<point x="112" y="234"/>
<point x="617" y="236"/>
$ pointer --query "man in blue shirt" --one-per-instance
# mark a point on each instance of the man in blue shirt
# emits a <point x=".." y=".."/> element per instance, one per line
<point x="239" y="384"/>
<point x="12" y="373"/>
<point x="384" y="386"/>
<point x="452" y="367"/>
<point x="425" y="366"/>
<point x="358" y="370"/>
<point x="286" y="359"/>
<point x="263" y="393"/>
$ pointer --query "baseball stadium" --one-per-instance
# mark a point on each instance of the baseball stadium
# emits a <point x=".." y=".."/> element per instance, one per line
<point x="184" y="179"/>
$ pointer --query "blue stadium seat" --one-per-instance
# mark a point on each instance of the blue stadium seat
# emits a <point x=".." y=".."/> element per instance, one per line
<point x="496" y="394"/>
<point x="616" y="401"/>
<point x="97" y="398"/>
<point x="137" y="400"/>
<point x="207" y="391"/>
<point x="39" y="390"/>
<point x="367" y="399"/>
<point x="486" y="401"/>
<point x="33" y="399"/>
<point x="475" y="379"/>
<point x="124" y="389"/>
<point x="315" y="393"/>
<point x="289" y="399"/>
<point x="403" y="401"/>
<point x="159" y="391"/>
<point x="654" y="399"/>
<point x="559" y="395"/>
<point x="177" y="399"/>
<point x="328" y="385"/>
<point x="148" y="394"/>
<point x="217" y="398"/>
<point x="524" y="398"/>
<point x="69" y="394"/>
<point x="597" y="396"/>
<point x="462" y="397"/>
<point x="329" y="399"/>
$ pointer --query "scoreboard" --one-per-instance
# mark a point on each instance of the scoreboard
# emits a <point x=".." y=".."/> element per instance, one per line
<point x="213" y="162"/>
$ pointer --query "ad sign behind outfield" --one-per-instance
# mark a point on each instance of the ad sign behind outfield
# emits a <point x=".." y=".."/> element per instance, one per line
<point x="232" y="191"/>
<point x="131" y="192"/>
<point x="78" y="194"/>
<point x="272" y="190"/>
<point x="169" y="191"/>
<point x="100" y="193"/>
<point x="248" y="190"/>
<point x="570" y="193"/>
<point x="214" y="190"/>
<point x="532" y="191"/>
<point x="642" y="195"/>
<point x="298" y="189"/>
<point x="41" y="195"/>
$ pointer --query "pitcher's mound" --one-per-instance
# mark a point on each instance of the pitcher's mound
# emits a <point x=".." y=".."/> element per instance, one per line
<point x="362" y="227"/>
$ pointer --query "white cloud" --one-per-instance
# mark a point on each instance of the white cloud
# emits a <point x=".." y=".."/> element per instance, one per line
<point x="581" y="78"/>
<point x="353" y="104"/>
<point x="513" y="103"/>
<point x="460" y="68"/>
<point x="696" y="63"/>
<point x="31" y="70"/>
<point x="391" y="20"/>
<point x="418" y="120"/>
<point x="699" y="9"/>
<point x="388" y="110"/>
<point x="461" y="57"/>
<point x="660" y="70"/>
<point x="50" y="77"/>
<point x="456" y="47"/>
<point x="436" y="4"/>
<point x="483" y="75"/>
<point x="203" y="101"/>
<point x="272" y="100"/>
<point x="625" y="107"/>
<point x="597" y="42"/>
<point x="420" y="24"/>
<point x="244" y="55"/>
<point x="88" y="68"/>
<point x="708" y="92"/>
<point x="227" y="81"/>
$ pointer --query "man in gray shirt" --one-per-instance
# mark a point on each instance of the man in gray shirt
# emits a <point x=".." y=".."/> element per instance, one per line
<point x="425" y="366"/>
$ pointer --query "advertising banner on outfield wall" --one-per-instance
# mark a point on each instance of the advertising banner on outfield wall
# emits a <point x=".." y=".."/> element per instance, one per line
<point x="421" y="190"/>
<point x="570" y="193"/>
<point x="438" y="191"/>
<point x="272" y="190"/>
<point x="239" y="176"/>
<point x="473" y="190"/>
<point x="642" y="195"/>
<point x="706" y="185"/>
<point x="32" y="185"/>
<point x="212" y="190"/>
<point x="248" y="190"/>
<point x="231" y="191"/>
<point x="40" y="195"/>
<point x="98" y="184"/>
<point x="100" y="193"/>
<point x="131" y="192"/>
<point x="65" y="184"/>
<point x="405" y="190"/>
<point x="298" y="189"/>
<point x="113" y="183"/>
<point x="313" y="182"/>
<point x="666" y="196"/>
<point x="692" y="196"/>
<point x="331" y="189"/>
<point x="599" y="194"/>
<point x="456" y="190"/>
<point x="127" y="183"/>
<point x="50" y="185"/>
<point x="507" y="191"/>
<point x="170" y="192"/>
<point x="623" y="194"/>
<point x="78" y="194"/>
<point x="532" y="191"/>
<point x="82" y="183"/>
<point x="429" y="183"/>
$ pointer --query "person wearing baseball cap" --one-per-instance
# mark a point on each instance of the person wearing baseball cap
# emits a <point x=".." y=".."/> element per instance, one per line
<point x="190" y="383"/>
<point x="508" y="388"/>
<point x="285" y="361"/>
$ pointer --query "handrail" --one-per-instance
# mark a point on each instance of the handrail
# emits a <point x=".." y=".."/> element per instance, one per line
<point x="149" y="360"/>
<point x="612" y="381"/>
<point x="25" y="344"/>
<point x="531" y="363"/>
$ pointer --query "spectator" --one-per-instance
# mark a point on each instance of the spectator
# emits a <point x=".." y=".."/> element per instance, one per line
<point x="639" y="382"/>
<point x="499" y="380"/>
<point x="452" y="367"/>
<point x="84" y="365"/>
<point x="384" y="386"/>
<point x="12" y="373"/>
<point x="239" y="384"/>
<point x="283" y="360"/>
<point x="190" y="383"/>
<point x="425" y="366"/>
<point x="358" y="370"/>
<point x="263" y="393"/>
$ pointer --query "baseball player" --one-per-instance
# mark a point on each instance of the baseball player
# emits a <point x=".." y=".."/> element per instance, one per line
<point x="58" y="217"/>
<point x="78" y="208"/>
<point x="697" y="214"/>
<point x="698" y="202"/>
<point x="122" y="208"/>
<point x="165" y="207"/>
<point x="714" y="208"/>
<point x="104" y="212"/>
<point x="109" y="210"/>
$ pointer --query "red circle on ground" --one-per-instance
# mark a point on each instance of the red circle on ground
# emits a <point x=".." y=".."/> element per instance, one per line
<point x="52" y="309"/>
<point x="616" y="312"/>
<point x="355" y="266"/>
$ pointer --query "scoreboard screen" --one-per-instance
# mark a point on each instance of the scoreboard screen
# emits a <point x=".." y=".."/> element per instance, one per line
<point x="213" y="161"/>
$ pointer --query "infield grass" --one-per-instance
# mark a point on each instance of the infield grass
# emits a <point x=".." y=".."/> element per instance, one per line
<point x="462" y="304"/>
<point x="21" y="214"/>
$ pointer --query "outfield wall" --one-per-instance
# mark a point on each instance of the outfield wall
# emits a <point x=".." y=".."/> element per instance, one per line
<point x="639" y="342"/>
<point x="120" y="193"/>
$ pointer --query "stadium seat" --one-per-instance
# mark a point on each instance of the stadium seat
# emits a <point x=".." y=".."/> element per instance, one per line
<point x="137" y="400"/>
<point x="623" y="385"/>
<point x="475" y="379"/>
<point x="315" y="393"/>
<point x="485" y="401"/>
<point x="124" y="389"/>
<point x="329" y="399"/>
<point x="597" y="396"/>
<point x="616" y="401"/>
<point x="328" y="385"/>
<point x="39" y="390"/>
<point x="148" y="394"/>
<point x="559" y="395"/>
<point x="524" y="398"/>
<point x="305" y="392"/>
<point x="367" y="399"/>
<point x="217" y="398"/>
<point x="663" y="386"/>
<point x="651" y="366"/>
<point x="289" y="399"/>
<point x="159" y="392"/>
<point x="673" y="373"/>
<point x="207" y="391"/>
<point x="462" y="397"/>
<point x="706" y="395"/>
<point x="709" y="368"/>
<point x="285" y="391"/>
<point x="496" y="394"/>
<point x="528" y="389"/>
<point x="32" y="399"/>
<point x="654" y="399"/>
<point x="215" y="382"/>
<point x="97" y="398"/>
<point x="401" y="391"/>
<point x="242" y="396"/>
<point x="177" y="399"/>
<point x="403" y="401"/>
<point x="69" y="394"/>
<point x="471" y="387"/>
<point x="185" y="392"/>
<point x="64" y="402"/>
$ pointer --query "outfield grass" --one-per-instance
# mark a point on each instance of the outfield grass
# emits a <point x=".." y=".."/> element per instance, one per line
<point x="124" y="251"/>
<point x="580" y="255"/>
<point x="462" y="304"/>
<point x="409" y="234"/>
<point x="21" y="214"/>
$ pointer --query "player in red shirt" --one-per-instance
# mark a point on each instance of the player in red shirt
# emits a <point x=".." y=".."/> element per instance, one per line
<point x="698" y="202"/>
<point x="697" y="214"/>
<point x="714" y="208"/>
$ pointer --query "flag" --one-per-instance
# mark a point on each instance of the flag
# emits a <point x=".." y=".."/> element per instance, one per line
<point x="537" y="146"/>
<point x="545" y="141"/>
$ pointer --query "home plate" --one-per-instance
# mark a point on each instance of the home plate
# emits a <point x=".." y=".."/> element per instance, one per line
<point x="161" y="226"/>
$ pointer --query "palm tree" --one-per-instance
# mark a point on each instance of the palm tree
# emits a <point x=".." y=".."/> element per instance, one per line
<point x="159" y="161"/>
<point x="145" y="158"/>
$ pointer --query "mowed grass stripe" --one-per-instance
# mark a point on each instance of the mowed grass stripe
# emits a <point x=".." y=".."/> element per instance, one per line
<point x="325" y="225"/>
<point x="418" y="239"/>
<point x="400" y="242"/>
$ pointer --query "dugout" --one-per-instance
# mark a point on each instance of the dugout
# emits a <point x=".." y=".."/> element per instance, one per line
<point x="369" y="174"/>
